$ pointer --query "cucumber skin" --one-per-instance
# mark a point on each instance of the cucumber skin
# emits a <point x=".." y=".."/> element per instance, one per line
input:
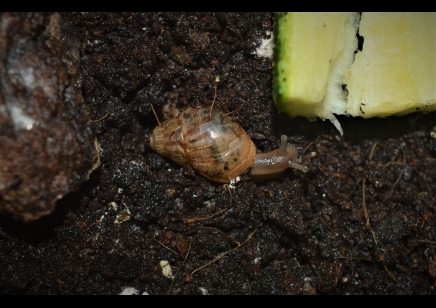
<point x="278" y="55"/>
<point x="282" y="70"/>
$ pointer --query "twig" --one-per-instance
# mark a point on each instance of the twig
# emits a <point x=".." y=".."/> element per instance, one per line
<point x="304" y="151"/>
<point x="77" y="212"/>
<point x="164" y="246"/>
<point x="404" y="156"/>
<point x="150" y="93"/>
<point x="403" y="163"/>
<point x="225" y="253"/>
<point x="102" y="118"/>
<point x="217" y="79"/>
<point x="393" y="278"/>
<point x="152" y="108"/>
<point x="366" y="211"/>
<point x="230" y="193"/>
<point x="219" y="231"/>
<point x="393" y="186"/>
<point x="335" y="174"/>
<point x="424" y="241"/>
<point x="372" y="150"/>
<point x="394" y="163"/>
<point x="298" y="263"/>
<point x="191" y="220"/>
<point x="236" y="110"/>
<point x="353" y="258"/>
<point x="254" y="83"/>
<point x="361" y="237"/>
<point x="326" y="224"/>
<point x="186" y="257"/>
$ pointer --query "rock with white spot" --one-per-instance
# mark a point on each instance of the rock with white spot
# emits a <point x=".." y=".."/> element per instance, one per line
<point x="48" y="144"/>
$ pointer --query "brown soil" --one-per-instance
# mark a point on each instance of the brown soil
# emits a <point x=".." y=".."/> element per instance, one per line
<point x="300" y="233"/>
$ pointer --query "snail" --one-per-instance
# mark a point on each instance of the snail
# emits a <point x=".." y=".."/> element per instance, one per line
<point x="219" y="148"/>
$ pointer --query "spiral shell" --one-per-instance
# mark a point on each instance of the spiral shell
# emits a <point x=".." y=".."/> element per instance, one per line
<point x="216" y="147"/>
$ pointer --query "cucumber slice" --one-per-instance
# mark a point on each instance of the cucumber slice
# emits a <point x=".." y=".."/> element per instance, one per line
<point x="394" y="73"/>
<point x="311" y="53"/>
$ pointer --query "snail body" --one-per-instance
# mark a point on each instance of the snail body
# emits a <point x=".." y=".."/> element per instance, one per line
<point x="217" y="147"/>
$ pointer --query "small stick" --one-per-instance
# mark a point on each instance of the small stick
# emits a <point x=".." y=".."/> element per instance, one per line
<point x="236" y="110"/>
<point x="404" y="156"/>
<point x="423" y="241"/>
<point x="150" y="93"/>
<point x="393" y="186"/>
<point x="164" y="246"/>
<point x="217" y="79"/>
<point x="372" y="150"/>
<point x="366" y="211"/>
<point x="230" y="193"/>
<point x="186" y="257"/>
<point x="304" y="151"/>
<point x="219" y="231"/>
<point x="393" y="163"/>
<point x="152" y="108"/>
<point x="102" y="118"/>
<point x="254" y="83"/>
<point x="361" y="237"/>
<point x="323" y="221"/>
<point x="225" y="253"/>
<point x="191" y="220"/>
<point x="397" y="163"/>
<point x="353" y="258"/>
<point x="393" y="278"/>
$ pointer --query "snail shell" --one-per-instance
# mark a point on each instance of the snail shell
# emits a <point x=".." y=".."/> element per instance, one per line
<point x="216" y="147"/>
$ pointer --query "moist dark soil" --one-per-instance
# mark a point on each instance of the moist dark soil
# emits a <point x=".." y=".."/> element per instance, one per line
<point x="360" y="221"/>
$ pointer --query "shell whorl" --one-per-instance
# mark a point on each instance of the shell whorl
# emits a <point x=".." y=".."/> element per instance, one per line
<point x="157" y="140"/>
<point x="167" y="140"/>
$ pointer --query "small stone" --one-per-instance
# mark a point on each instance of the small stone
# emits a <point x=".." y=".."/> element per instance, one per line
<point x="166" y="269"/>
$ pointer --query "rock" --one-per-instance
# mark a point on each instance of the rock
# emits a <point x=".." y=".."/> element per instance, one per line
<point x="48" y="144"/>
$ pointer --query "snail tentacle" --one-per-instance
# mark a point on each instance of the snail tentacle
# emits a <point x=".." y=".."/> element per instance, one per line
<point x="270" y="164"/>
